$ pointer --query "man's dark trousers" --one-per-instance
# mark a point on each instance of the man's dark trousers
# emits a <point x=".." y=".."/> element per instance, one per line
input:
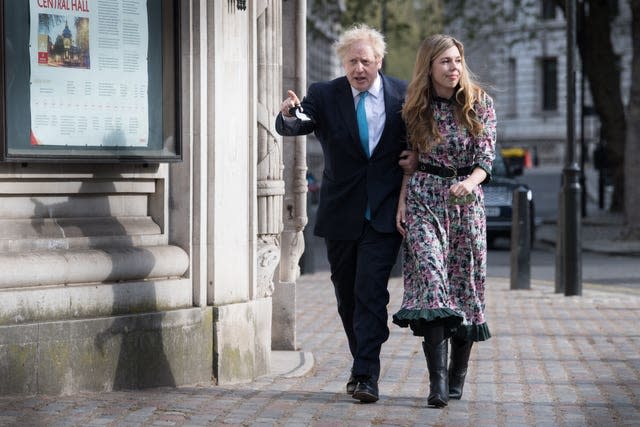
<point x="360" y="270"/>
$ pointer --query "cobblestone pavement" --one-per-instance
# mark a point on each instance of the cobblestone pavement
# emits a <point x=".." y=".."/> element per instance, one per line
<point x="553" y="361"/>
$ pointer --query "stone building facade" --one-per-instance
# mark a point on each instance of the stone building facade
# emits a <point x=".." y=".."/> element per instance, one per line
<point x="524" y="64"/>
<point x="135" y="275"/>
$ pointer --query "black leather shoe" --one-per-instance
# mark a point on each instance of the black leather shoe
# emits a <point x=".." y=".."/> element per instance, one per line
<point x="366" y="391"/>
<point x="351" y="384"/>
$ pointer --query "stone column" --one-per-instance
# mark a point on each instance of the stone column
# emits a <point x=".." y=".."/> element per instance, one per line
<point x="270" y="184"/>
<point x="244" y="186"/>
<point x="295" y="199"/>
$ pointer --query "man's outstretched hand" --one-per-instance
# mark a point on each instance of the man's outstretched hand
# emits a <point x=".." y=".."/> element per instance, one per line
<point x="292" y="101"/>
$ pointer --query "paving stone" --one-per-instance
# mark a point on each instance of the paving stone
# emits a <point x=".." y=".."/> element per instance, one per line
<point x="553" y="361"/>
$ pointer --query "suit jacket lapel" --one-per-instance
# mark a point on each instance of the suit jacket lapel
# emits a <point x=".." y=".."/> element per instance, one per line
<point x="392" y="104"/>
<point x="347" y="110"/>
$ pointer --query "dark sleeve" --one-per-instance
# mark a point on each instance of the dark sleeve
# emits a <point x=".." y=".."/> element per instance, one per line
<point x="298" y="126"/>
<point x="293" y="127"/>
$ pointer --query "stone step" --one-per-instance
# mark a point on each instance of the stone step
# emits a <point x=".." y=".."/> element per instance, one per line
<point x="74" y="266"/>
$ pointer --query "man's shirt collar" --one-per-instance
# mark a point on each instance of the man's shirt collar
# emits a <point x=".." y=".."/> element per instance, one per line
<point x="375" y="90"/>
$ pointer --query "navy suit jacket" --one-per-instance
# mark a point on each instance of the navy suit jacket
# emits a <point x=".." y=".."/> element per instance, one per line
<point x="350" y="178"/>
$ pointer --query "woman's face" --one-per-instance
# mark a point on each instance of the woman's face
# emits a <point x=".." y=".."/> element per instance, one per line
<point x="446" y="70"/>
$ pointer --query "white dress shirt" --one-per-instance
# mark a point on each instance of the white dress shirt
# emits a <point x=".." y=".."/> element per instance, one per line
<point x="374" y="107"/>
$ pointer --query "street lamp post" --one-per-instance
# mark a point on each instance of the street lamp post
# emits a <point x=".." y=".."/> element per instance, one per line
<point x="383" y="25"/>
<point x="570" y="210"/>
<point x="583" y="146"/>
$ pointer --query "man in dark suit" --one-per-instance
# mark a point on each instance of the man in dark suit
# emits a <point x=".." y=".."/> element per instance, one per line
<point x="357" y="119"/>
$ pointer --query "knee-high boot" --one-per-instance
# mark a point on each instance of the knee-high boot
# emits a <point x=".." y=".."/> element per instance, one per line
<point x="436" y="355"/>
<point x="460" y="351"/>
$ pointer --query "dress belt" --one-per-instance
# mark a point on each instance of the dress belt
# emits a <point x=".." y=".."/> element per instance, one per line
<point x="445" y="171"/>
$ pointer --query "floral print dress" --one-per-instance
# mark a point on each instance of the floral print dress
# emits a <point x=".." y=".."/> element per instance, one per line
<point x="445" y="249"/>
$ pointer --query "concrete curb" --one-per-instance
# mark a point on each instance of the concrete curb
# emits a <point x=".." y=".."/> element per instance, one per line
<point x="291" y="364"/>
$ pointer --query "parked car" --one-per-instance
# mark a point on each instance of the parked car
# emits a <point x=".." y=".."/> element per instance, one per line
<point x="498" y="198"/>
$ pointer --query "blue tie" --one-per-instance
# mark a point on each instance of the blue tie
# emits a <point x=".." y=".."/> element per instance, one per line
<point x="363" y="130"/>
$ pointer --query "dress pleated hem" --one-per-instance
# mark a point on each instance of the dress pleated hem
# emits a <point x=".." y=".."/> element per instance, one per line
<point x="473" y="332"/>
<point x="420" y="320"/>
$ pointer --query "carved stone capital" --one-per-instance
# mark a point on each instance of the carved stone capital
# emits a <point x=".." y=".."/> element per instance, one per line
<point x="268" y="257"/>
<point x="292" y="249"/>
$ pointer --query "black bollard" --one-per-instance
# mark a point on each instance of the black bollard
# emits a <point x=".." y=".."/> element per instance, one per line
<point x="572" y="232"/>
<point x="559" y="283"/>
<point x="521" y="239"/>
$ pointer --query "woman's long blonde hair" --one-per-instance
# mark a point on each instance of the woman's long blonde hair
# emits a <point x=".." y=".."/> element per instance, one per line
<point x="422" y="129"/>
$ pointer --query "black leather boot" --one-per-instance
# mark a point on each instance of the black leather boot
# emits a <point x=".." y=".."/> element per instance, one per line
<point x="436" y="354"/>
<point x="460" y="351"/>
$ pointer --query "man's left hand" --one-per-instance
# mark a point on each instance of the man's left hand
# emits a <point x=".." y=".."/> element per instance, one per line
<point x="408" y="161"/>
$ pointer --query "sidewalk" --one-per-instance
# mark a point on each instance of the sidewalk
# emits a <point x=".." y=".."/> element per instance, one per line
<point x="602" y="232"/>
<point x="552" y="361"/>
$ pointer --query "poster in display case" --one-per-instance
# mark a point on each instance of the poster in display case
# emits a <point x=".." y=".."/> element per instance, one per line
<point x="89" y="80"/>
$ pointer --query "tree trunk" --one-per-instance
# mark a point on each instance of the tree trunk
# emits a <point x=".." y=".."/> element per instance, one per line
<point x="602" y="68"/>
<point x="632" y="152"/>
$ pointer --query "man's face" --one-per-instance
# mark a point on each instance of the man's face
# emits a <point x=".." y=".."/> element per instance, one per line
<point x="361" y="66"/>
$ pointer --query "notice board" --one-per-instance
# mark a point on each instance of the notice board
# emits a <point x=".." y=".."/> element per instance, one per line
<point x="90" y="80"/>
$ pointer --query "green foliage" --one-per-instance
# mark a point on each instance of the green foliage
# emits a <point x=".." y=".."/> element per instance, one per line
<point x="475" y="23"/>
<point x="405" y="23"/>
<point x="327" y="13"/>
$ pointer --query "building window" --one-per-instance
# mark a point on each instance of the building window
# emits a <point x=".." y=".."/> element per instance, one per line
<point x="548" y="10"/>
<point x="512" y="88"/>
<point x="549" y="84"/>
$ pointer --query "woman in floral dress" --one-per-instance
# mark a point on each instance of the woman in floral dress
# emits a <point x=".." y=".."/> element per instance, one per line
<point x="451" y="123"/>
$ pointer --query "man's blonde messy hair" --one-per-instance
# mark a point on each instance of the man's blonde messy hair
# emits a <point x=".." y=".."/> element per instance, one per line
<point x="361" y="32"/>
